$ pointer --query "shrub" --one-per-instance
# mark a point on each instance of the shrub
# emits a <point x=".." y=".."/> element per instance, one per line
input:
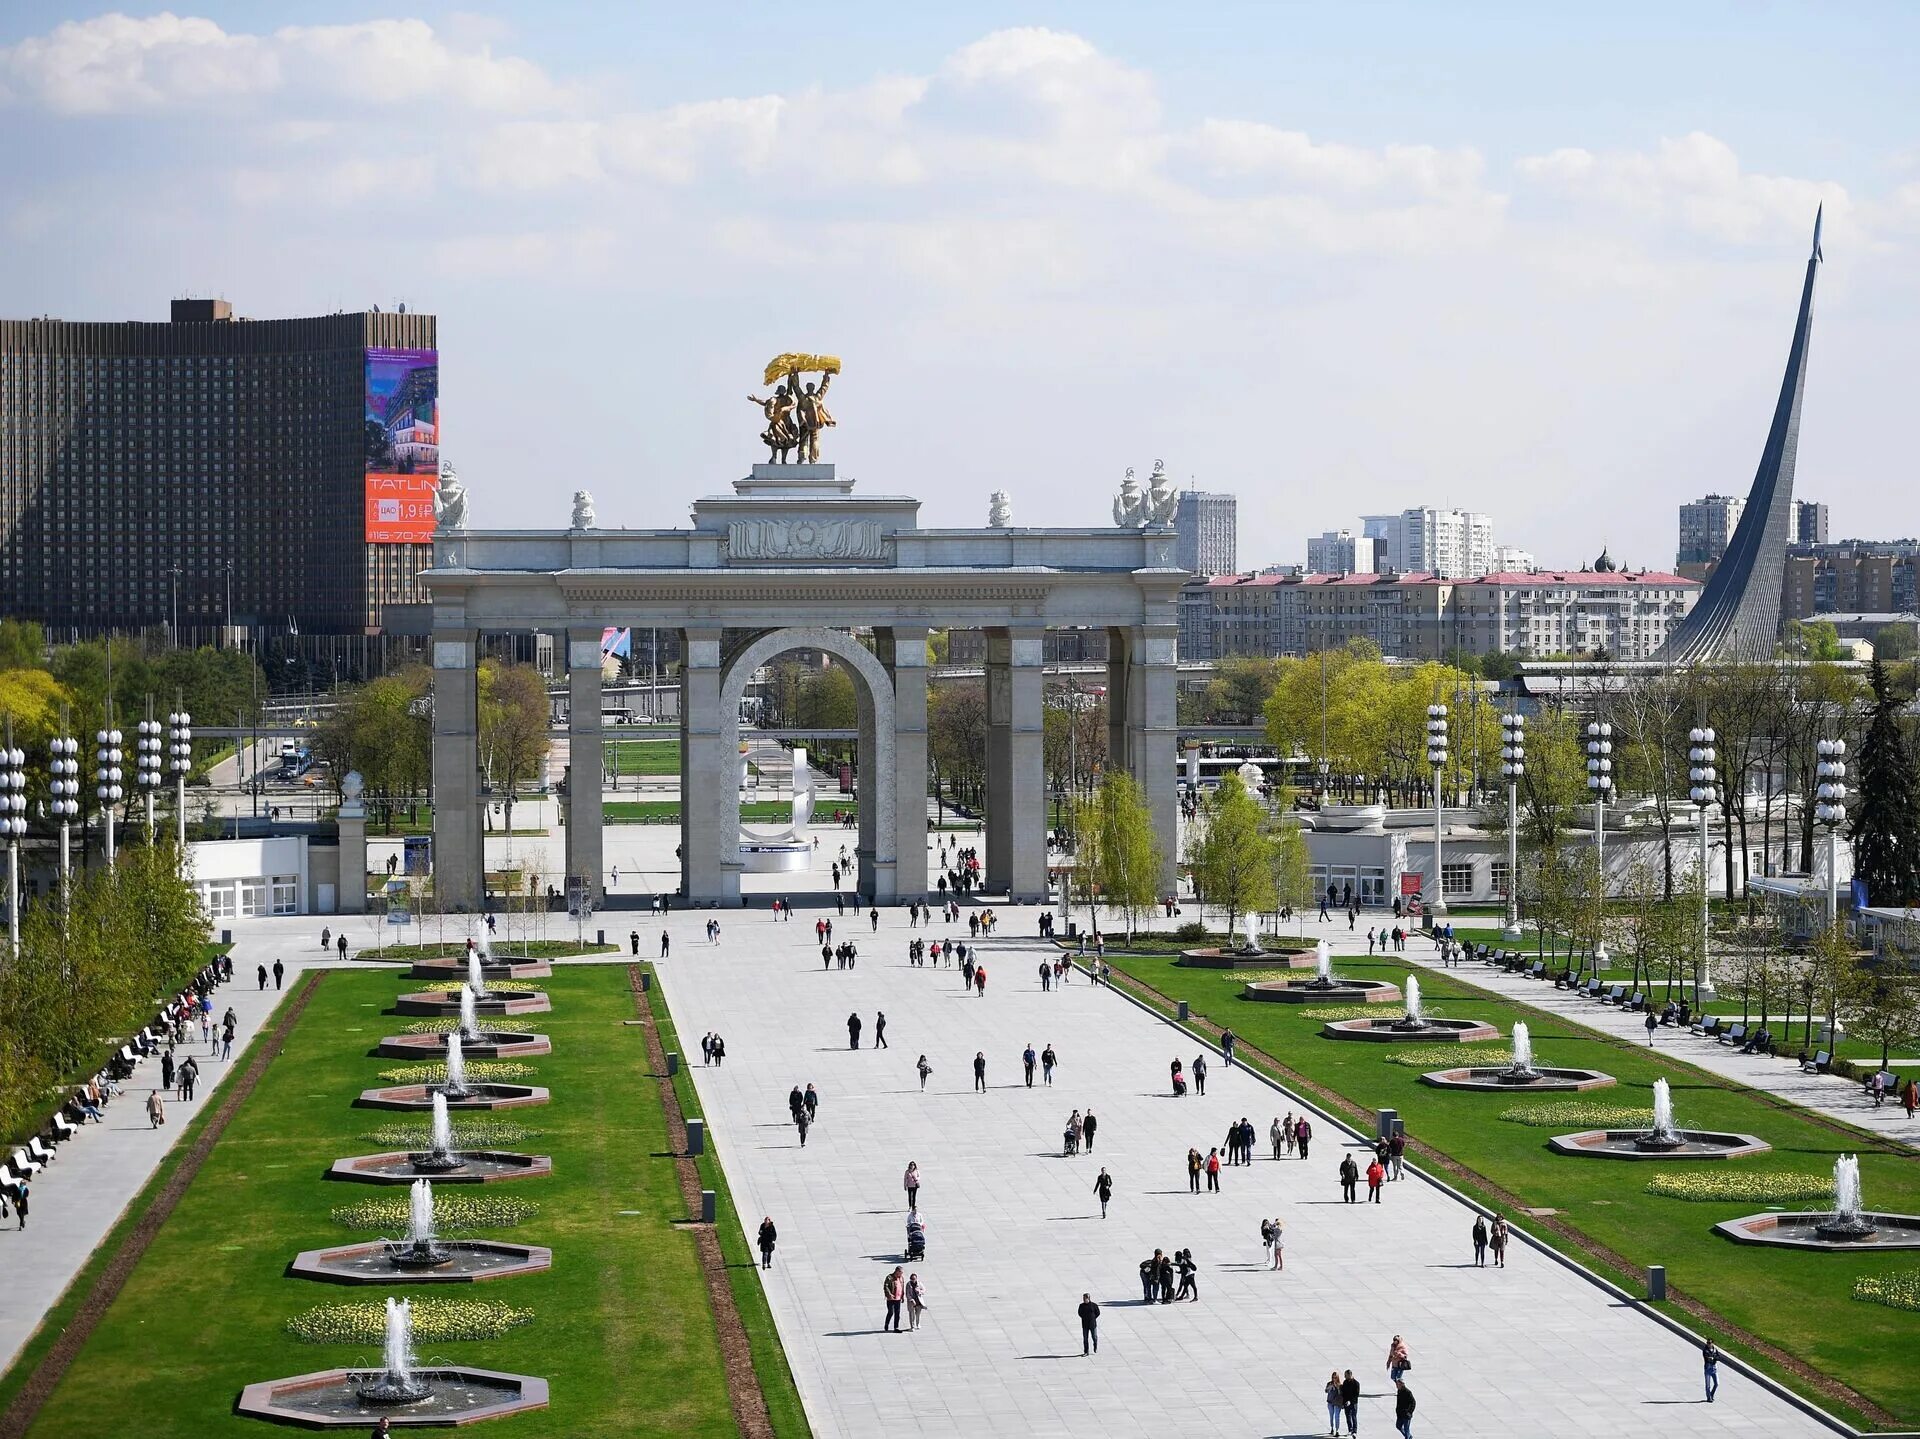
<point x="1754" y="1186"/>
<point x="435" y="1321"/>
<point x="1579" y="1114"/>
<point x="1897" y="1289"/>
<point x="480" y="1071"/>
<point x="452" y="1213"/>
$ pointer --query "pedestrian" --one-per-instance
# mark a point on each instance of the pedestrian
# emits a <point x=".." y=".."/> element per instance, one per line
<point x="1479" y="1241"/>
<point x="768" y="1234"/>
<point x="1398" y="1362"/>
<point x="1350" y="1402"/>
<point x="1709" y="1360"/>
<point x="924" y="1070"/>
<point x="1349" y="1178"/>
<point x="911" y="1183"/>
<point x="1027" y="1060"/>
<point x="1087" y="1126"/>
<point x="880" y="1029"/>
<point x="853" y="1031"/>
<point x="895" y="1290"/>
<point x="1279" y="1244"/>
<point x="1498" y="1241"/>
<point x="1089" y="1325"/>
<point x="1302" y="1134"/>
<point x="1403" y="1409"/>
<point x="1103" y="1189"/>
<point x="156" y="1110"/>
<point x="1194" y="1165"/>
<point x="1653" y="1023"/>
<point x="279" y="973"/>
<point x="1335" y="1404"/>
<point x="263" y="976"/>
<point x="1199" y="1074"/>
<point x="1213" y="1171"/>
<point x="1376" y="1177"/>
<point x="980" y="1071"/>
<point x="916" y="1300"/>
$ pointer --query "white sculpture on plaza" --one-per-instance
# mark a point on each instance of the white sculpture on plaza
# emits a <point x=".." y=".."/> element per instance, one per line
<point x="582" y="510"/>
<point x="999" y="511"/>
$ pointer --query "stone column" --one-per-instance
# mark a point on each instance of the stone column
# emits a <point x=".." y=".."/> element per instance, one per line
<point x="1016" y="771"/>
<point x="903" y="649"/>
<point x="709" y="774"/>
<point x="1152" y="757"/>
<point x="458" y="852"/>
<point x="585" y="762"/>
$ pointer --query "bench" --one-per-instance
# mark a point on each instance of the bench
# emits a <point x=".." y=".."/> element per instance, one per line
<point x="1733" y="1035"/>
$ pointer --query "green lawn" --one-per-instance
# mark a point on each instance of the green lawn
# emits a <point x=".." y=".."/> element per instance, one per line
<point x="1798" y="1301"/>
<point x="754" y="811"/>
<point x="622" y="1327"/>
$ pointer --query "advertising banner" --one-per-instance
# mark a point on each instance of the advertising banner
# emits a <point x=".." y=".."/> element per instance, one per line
<point x="402" y="444"/>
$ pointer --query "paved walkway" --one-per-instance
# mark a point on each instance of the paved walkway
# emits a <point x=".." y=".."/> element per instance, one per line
<point x="1825" y="1093"/>
<point x="1015" y="1234"/>
<point x="80" y="1196"/>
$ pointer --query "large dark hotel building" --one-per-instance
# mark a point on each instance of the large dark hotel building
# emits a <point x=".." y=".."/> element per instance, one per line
<point x="275" y="475"/>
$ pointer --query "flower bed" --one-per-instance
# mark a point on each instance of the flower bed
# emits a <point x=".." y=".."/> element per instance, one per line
<point x="452" y="1213"/>
<point x="478" y="1133"/>
<point x="1579" y="1114"/>
<point x="435" y="1321"/>
<point x="479" y="1071"/>
<point x="1759" y="1186"/>
<point x="448" y="1025"/>
<point x="1448" y="1056"/>
<point x="1897" y="1289"/>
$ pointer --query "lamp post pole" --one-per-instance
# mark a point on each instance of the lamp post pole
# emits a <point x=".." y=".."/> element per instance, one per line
<point x="1830" y="812"/>
<point x="1600" y="782"/>
<point x="1703" y="777"/>
<point x="1513" y="764"/>
<point x="1437" y="757"/>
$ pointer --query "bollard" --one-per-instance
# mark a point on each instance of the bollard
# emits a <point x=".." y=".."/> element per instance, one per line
<point x="1656" y="1281"/>
<point x="709" y="1206"/>
<point x="696" y="1136"/>
<point x="1388" y="1123"/>
<point x="673" y="1063"/>
<point x="1181" y="1010"/>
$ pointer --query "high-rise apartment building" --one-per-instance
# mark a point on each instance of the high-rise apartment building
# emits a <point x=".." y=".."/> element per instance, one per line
<point x="1454" y="544"/>
<point x="1809" y="524"/>
<point x="1206" y="530"/>
<point x="1341" y="552"/>
<point x="1706" y="528"/>
<point x="278" y="473"/>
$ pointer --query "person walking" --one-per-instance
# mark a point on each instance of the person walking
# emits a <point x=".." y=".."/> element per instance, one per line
<point x="1302" y="1134"/>
<point x="1027" y="1061"/>
<point x="923" y="1069"/>
<point x="1376" y="1178"/>
<point x="1709" y="1364"/>
<point x="894" y="1288"/>
<point x="980" y="1071"/>
<point x="880" y="1029"/>
<point x="1350" y="1402"/>
<point x="1213" y="1171"/>
<point x="1087" y="1126"/>
<point x="1403" y="1409"/>
<point x="1349" y="1178"/>
<point x="1479" y="1241"/>
<point x="916" y="1300"/>
<point x="1103" y="1190"/>
<point x="1089" y="1326"/>
<point x="853" y="1031"/>
<point x="279" y="973"/>
<point x="1335" y="1404"/>
<point x="768" y="1234"/>
<point x="911" y="1183"/>
<point x="1194" y="1165"/>
<point x="1497" y="1241"/>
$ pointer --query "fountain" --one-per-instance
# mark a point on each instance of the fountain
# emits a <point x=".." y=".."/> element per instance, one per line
<point x="396" y="1383"/>
<point x="455" y="1086"/>
<point x="1520" y="1073"/>
<point x="1850" y="1226"/>
<point x="1414" y="1024"/>
<point x="1325" y="986"/>
<point x="1665" y="1140"/>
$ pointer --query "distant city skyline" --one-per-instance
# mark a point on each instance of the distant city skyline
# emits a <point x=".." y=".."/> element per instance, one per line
<point x="1511" y="261"/>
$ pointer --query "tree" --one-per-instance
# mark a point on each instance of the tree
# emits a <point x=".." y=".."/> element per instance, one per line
<point x="1232" y="858"/>
<point x="1116" y="857"/>
<point x="1886" y="822"/>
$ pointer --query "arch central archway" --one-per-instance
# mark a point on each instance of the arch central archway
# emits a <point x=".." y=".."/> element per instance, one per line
<point x="878" y="858"/>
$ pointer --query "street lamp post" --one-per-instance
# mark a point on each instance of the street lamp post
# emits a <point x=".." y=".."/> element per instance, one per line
<point x="180" y="760"/>
<point x="1513" y="764"/>
<point x="1830" y="812"/>
<point x="146" y="762"/>
<point x="107" y="776"/>
<point x="66" y="801"/>
<point x="1437" y="757"/>
<point x="13" y="816"/>
<point x="1600" y="782"/>
<point x="1703" y="776"/>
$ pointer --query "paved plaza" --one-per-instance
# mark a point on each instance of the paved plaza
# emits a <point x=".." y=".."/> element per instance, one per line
<point x="1015" y="1234"/>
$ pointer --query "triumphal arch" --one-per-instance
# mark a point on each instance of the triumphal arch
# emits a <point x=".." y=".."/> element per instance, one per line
<point x="794" y="558"/>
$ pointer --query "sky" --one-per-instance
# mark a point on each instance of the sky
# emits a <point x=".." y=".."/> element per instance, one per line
<point x="1539" y="261"/>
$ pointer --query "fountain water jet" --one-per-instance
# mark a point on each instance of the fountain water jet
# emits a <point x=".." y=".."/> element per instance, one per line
<point x="397" y="1384"/>
<point x="1848" y="1220"/>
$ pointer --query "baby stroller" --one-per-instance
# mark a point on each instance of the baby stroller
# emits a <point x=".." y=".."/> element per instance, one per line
<point x="916" y="1238"/>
